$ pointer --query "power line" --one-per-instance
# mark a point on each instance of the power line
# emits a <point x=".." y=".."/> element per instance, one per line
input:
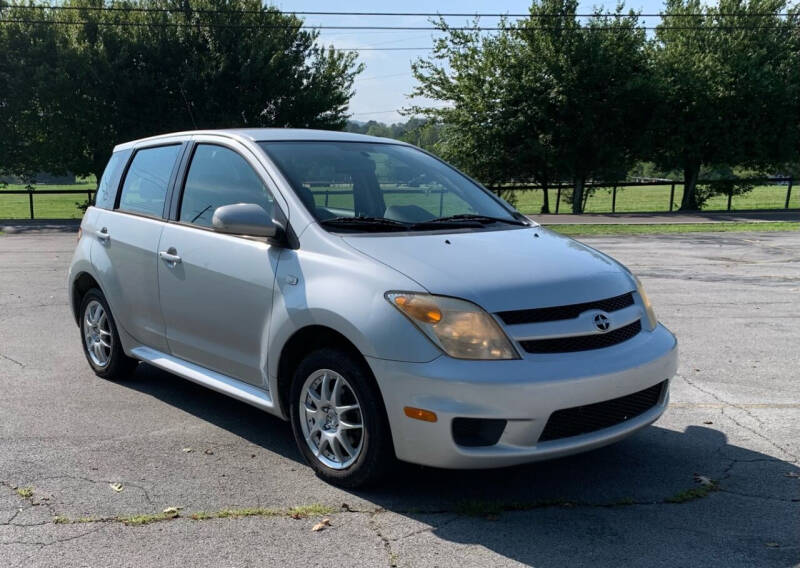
<point x="300" y="25"/>
<point x="385" y="14"/>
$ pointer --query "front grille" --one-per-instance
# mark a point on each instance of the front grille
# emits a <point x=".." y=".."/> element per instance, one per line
<point x="571" y="311"/>
<point x="592" y="417"/>
<point x="582" y="342"/>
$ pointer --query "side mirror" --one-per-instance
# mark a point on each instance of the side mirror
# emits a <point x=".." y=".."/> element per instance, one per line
<point x="244" y="219"/>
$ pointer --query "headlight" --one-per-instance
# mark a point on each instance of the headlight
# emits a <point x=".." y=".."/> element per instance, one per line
<point x="648" y="307"/>
<point x="460" y="328"/>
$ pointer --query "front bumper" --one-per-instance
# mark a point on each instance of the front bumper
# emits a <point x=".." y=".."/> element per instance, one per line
<point x="524" y="392"/>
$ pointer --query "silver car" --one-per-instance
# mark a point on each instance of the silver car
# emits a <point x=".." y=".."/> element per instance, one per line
<point x="386" y="304"/>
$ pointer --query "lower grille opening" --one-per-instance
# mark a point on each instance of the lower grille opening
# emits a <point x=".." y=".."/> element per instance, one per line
<point x="475" y="432"/>
<point x="592" y="417"/>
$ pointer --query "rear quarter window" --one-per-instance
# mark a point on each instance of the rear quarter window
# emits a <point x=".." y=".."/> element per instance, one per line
<point x="109" y="182"/>
<point x="145" y="188"/>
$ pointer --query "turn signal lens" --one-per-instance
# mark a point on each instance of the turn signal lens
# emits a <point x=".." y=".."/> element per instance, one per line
<point x="458" y="327"/>
<point x="420" y="414"/>
<point x="648" y="307"/>
<point x="419" y="308"/>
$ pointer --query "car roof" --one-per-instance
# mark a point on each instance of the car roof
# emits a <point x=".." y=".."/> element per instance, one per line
<point x="268" y="135"/>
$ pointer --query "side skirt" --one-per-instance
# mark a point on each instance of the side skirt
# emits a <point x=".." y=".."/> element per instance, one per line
<point x="234" y="388"/>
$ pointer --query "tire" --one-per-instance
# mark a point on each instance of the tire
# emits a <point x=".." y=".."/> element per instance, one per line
<point x="109" y="361"/>
<point x="374" y="453"/>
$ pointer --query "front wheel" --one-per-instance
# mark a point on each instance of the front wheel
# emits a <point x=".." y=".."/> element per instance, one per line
<point x="338" y="419"/>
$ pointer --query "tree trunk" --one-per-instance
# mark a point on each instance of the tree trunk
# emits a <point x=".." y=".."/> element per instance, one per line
<point x="577" y="195"/>
<point x="545" y="199"/>
<point x="691" y="172"/>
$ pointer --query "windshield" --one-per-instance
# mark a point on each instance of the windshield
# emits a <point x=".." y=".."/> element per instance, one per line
<point x="361" y="186"/>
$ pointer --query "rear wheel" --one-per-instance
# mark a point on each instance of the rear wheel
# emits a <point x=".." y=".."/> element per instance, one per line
<point x="100" y="339"/>
<point x="338" y="419"/>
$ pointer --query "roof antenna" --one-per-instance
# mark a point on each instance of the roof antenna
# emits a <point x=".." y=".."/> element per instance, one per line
<point x="188" y="106"/>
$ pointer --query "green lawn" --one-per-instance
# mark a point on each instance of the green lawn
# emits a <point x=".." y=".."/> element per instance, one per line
<point x="629" y="199"/>
<point x="656" y="199"/>
<point x="44" y="206"/>
<point x="589" y="230"/>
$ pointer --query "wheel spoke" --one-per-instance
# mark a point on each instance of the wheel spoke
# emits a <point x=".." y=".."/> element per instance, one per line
<point x="349" y="425"/>
<point x="346" y="408"/>
<point x="344" y="442"/>
<point x="103" y="342"/>
<point x="98" y="351"/>
<point x="337" y="451"/>
<point x="325" y="389"/>
<point x="336" y="390"/>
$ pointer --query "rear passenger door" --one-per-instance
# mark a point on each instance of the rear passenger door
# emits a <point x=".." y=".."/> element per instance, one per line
<point x="216" y="289"/>
<point x="127" y="237"/>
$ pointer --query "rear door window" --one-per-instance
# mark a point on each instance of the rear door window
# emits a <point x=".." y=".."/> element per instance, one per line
<point x="145" y="187"/>
<point x="219" y="176"/>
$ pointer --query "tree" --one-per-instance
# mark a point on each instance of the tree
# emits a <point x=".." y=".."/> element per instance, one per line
<point x="599" y="104"/>
<point x="129" y="73"/>
<point x="728" y="78"/>
<point x="543" y="99"/>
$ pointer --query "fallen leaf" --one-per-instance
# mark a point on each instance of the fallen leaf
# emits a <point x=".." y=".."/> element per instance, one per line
<point x="187" y="450"/>
<point x="707" y="422"/>
<point x="345" y="507"/>
<point x="320" y="526"/>
<point x="116" y="487"/>
<point x="172" y="510"/>
<point x="209" y="453"/>
<point x="772" y="544"/>
<point x="703" y="480"/>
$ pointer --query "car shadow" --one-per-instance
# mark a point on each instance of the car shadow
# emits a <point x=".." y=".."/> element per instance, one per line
<point x="639" y="502"/>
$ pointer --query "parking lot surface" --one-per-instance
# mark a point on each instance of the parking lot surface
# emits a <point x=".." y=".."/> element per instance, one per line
<point x="88" y="467"/>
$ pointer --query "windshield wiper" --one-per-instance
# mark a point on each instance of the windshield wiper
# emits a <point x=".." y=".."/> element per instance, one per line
<point x="379" y="223"/>
<point x="469" y="218"/>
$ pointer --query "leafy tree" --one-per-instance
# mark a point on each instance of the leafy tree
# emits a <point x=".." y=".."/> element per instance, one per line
<point x="543" y="99"/>
<point x="125" y="74"/>
<point x="728" y="78"/>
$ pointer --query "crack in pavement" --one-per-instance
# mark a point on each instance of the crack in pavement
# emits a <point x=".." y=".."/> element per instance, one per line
<point x="727" y="404"/>
<point x="7" y="358"/>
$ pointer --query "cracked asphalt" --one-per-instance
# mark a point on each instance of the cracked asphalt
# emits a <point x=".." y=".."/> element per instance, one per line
<point x="734" y="419"/>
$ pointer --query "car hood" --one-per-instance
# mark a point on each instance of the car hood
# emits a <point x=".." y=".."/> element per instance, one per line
<point x="500" y="269"/>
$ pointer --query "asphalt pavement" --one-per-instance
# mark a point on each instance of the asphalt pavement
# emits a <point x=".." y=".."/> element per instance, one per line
<point x="88" y="466"/>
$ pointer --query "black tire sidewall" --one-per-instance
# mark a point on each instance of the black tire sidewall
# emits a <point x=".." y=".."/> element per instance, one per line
<point x="119" y="365"/>
<point x="377" y="452"/>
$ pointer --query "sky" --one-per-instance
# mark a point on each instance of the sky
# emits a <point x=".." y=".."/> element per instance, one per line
<point x="384" y="85"/>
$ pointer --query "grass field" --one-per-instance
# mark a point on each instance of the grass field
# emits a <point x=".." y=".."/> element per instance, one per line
<point x="44" y="206"/>
<point x="629" y="200"/>
<point x="656" y="199"/>
<point x="590" y="230"/>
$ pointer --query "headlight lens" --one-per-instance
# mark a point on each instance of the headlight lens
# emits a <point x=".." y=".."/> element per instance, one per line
<point x="460" y="328"/>
<point x="648" y="307"/>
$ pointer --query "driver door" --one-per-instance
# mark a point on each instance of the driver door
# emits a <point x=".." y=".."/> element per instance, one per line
<point x="216" y="289"/>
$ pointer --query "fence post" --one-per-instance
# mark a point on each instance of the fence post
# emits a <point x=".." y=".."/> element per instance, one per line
<point x="614" y="199"/>
<point x="558" y="197"/>
<point x="788" y="193"/>
<point x="671" y="196"/>
<point x="89" y="196"/>
<point x="30" y="201"/>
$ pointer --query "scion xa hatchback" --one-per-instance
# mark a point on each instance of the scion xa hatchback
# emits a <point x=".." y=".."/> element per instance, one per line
<point x="383" y="302"/>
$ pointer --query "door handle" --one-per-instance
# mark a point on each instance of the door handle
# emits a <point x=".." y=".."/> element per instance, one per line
<point x="170" y="255"/>
<point x="102" y="234"/>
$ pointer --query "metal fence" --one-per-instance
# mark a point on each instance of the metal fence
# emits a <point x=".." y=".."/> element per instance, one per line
<point x="780" y="193"/>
